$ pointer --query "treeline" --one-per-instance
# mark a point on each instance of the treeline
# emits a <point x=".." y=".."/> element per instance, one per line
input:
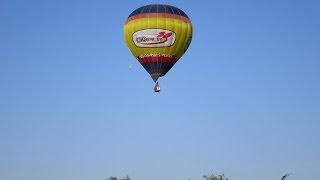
<point x="205" y="177"/>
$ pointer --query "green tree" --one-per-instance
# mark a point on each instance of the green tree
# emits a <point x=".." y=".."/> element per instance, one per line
<point x="285" y="176"/>
<point x="112" y="178"/>
<point x="115" y="178"/>
<point x="215" y="177"/>
<point x="126" y="178"/>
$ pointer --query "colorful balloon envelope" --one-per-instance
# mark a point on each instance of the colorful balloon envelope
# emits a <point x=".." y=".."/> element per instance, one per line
<point x="158" y="35"/>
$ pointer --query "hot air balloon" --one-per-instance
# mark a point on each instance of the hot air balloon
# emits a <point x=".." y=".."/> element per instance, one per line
<point x="158" y="35"/>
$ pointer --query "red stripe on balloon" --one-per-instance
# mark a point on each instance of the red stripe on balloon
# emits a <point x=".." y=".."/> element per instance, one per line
<point x="158" y="59"/>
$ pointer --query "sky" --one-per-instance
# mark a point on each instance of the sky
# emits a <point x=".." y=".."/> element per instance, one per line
<point x="243" y="100"/>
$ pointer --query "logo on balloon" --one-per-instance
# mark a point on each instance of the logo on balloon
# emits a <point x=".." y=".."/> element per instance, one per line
<point x="154" y="38"/>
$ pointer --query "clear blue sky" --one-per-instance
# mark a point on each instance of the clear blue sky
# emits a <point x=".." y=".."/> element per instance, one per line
<point x="244" y="100"/>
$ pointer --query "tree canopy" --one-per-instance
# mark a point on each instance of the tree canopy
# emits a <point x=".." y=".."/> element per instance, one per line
<point x="215" y="177"/>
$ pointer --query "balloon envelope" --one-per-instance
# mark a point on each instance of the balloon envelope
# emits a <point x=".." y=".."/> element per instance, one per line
<point x="158" y="35"/>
